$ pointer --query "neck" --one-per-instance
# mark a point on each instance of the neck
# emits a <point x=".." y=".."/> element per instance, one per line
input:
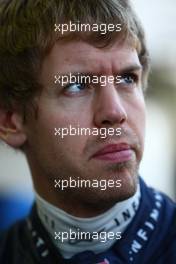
<point x="114" y="221"/>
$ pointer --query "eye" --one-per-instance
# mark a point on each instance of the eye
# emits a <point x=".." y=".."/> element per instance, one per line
<point x="74" y="87"/>
<point x="129" y="79"/>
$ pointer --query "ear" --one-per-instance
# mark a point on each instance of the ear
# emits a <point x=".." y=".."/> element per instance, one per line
<point x="11" y="128"/>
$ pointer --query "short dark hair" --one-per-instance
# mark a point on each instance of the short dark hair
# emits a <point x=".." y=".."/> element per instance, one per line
<point x="27" y="35"/>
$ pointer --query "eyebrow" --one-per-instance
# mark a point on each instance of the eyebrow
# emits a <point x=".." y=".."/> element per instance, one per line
<point x="127" y="69"/>
<point x="131" y="68"/>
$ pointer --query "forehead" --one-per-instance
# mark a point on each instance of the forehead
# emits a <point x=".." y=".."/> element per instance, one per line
<point x="79" y="56"/>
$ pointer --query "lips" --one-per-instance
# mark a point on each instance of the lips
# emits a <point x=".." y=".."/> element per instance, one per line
<point x="116" y="153"/>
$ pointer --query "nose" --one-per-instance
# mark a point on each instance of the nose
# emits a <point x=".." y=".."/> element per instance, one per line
<point x="109" y="109"/>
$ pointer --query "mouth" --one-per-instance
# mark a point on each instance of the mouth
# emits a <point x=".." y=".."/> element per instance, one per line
<point x="115" y="153"/>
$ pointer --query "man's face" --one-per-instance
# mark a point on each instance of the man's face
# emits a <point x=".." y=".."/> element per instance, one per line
<point x="88" y="106"/>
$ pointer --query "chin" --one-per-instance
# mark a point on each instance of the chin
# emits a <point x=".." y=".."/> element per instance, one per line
<point x="103" y="200"/>
<point x="127" y="190"/>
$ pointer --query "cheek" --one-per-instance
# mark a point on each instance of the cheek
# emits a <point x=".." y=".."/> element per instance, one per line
<point x="137" y="117"/>
<point x="63" y="144"/>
